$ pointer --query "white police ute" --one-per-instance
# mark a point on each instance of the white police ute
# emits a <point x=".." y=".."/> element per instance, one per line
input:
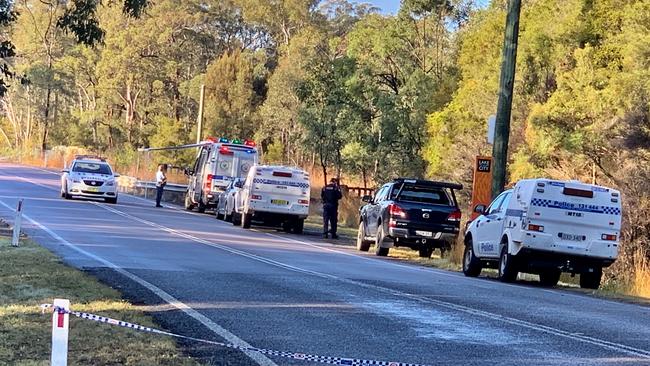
<point x="274" y="196"/>
<point x="546" y="227"/>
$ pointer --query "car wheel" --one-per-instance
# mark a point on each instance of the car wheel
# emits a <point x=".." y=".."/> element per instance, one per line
<point x="507" y="266"/>
<point x="299" y="226"/>
<point x="188" y="202"/>
<point x="471" y="265"/>
<point x="550" y="277"/>
<point x="218" y="215"/>
<point x="227" y="217"/>
<point x="591" y="280"/>
<point x="425" y="252"/>
<point x="246" y="220"/>
<point x="362" y="244"/>
<point x="381" y="238"/>
<point x="67" y="195"/>
<point x="236" y="219"/>
<point x="201" y="206"/>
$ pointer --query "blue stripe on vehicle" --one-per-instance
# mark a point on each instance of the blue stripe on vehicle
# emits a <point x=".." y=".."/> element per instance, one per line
<point x="570" y="206"/>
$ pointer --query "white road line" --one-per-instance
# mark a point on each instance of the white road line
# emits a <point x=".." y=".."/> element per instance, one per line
<point x="214" y="327"/>
<point x="618" y="347"/>
<point x="436" y="271"/>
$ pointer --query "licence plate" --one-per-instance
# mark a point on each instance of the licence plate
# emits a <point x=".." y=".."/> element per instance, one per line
<point x="93" y="189"/>
<point x="572" y="237"/>
<point x="280" y="202"/>
<point x="424" y="233"/>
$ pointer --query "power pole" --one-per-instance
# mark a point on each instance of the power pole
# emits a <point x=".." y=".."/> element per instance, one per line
<point x="199" y="128"/>
<point x="504" y="108"/>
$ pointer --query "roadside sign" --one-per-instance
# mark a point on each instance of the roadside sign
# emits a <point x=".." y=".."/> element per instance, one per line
<point x="492" y="122"/>
<point x="482" y="185"/>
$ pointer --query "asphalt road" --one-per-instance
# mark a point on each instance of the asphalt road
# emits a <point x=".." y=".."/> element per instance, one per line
<point x="206" y="278"/>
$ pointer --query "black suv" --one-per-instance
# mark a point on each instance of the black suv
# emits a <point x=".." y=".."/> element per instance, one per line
<point x="418" y="214"/>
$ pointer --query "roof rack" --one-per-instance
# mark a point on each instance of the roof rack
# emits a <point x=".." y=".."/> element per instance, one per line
<point x="89" y="157"/>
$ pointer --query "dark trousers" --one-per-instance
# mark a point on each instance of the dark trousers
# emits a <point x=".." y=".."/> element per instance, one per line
<point x="331" y="218"/>
<point x="159" y="193"/>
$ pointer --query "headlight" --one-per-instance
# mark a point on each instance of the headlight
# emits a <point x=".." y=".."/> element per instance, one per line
<point x="76" y="181"/>
<point x="110" y="182"/>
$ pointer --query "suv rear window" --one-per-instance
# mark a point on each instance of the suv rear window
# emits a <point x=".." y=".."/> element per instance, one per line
<point x="420" y="194"/>
<point x="95" y="168"/>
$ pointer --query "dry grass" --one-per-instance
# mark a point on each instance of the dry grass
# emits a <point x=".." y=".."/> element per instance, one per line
<point x="640" y="285"/>
<point x="30" y="276"/>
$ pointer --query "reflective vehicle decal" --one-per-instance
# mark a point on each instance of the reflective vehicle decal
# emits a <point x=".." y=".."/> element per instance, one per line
<point x="576" y="206"/>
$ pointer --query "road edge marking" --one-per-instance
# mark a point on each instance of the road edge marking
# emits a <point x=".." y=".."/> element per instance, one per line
<point x="207" y="322"/>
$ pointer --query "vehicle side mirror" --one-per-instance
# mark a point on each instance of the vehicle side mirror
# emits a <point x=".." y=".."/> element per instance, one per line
<point x="367" y="199"/>
<point x="480" y="209"/>
<point x="65" y="171"/>
<point x="116" y="175"/>
<point x="239" y="184"/>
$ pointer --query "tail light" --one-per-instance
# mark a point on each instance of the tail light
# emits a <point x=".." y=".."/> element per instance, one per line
<point x="392" y="223"/>
<point x="256" y="197"/>
<point x="608" y="237"/>
<point x="303" y="202"/>
<point x="395" y="210"/>
<point x="533" y="227"/>
<point x="208" y="182"/>
<point x="455" y="216"/>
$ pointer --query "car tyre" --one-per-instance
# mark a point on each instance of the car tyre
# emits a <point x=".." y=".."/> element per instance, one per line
<point x="471" y="264"/>
<point x="381" y="238"/>
<point x="362" y="244"/>
<point x="550" y="278"/>
<point x="201" y="206"/>
<point x="236" y="219"/>
<point x="591" y="280"/>
<point x="299" y="226"/>
<point x="507" y="266"/>
<point x="246" y="220"/>
<point x="425" y="252"/>
<point x="228" y="217"/>
<point x="217" y="214"/>
<point x="189" y="206"/>
<point x="287" y="225"/>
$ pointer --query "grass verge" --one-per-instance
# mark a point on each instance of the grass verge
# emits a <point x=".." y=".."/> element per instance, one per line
<point x="30" y="275"/>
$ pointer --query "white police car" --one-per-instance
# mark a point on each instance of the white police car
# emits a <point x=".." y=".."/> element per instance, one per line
<point x="274" y="196"/>
<point x="89" y="176"/>
<point x="546" y="227"/>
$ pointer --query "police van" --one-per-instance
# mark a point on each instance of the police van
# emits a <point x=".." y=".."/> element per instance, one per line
<point x="217" y="164"/>
<point x="274" y="196"/>
<point x="546" y="227"/>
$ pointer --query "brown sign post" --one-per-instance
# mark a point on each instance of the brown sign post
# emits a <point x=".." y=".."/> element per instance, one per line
<point x="482" y="186"/>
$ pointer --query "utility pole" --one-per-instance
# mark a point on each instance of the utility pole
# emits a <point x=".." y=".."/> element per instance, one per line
<point x="504" y="108"/>
<point x="199" y="128"/>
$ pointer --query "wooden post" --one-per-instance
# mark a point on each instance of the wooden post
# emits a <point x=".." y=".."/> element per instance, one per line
<point x="60" y="323"/>
<point x="504" y="107"/>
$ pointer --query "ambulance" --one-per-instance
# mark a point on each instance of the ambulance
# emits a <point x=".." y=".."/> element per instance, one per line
<point x="274" y="196"/>
<point x="546" y="227"/>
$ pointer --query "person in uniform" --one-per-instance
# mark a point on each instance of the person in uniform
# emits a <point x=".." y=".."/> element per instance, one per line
<point x="331" y="194"/>
<point x="161" y="181"/>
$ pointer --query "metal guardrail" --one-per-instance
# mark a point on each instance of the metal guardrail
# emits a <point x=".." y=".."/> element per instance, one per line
<point x="168" y="187"/>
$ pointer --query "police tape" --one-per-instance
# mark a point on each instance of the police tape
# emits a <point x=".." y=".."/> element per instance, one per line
<point x="292" y="355"/>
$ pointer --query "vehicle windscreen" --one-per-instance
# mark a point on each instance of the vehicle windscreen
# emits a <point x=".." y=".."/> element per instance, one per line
<point x="93" y="168"/>
<point x="422" y="194"/>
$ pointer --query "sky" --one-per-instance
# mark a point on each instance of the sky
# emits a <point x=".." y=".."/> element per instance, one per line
<point x="391" y="6"/>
